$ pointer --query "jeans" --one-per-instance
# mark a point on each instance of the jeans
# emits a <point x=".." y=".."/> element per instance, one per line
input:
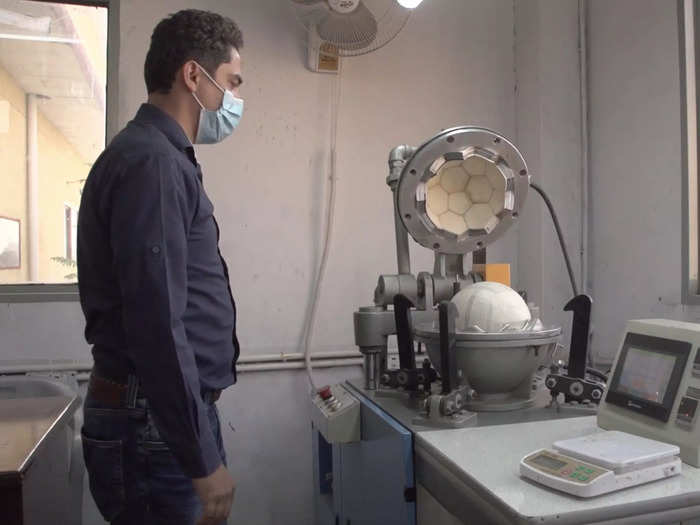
<point x="134" y="478"/>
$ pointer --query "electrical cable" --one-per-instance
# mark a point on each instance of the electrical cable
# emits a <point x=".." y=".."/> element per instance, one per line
<point x="557" y="227"/>
<point x="328" y="235"/>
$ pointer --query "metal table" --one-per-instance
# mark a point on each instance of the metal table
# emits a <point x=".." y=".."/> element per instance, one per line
<point x="35" y="451"/>
<point x="473" y="473"/>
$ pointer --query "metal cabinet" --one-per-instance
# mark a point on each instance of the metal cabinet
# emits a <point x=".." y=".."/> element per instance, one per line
<point x="370" y="482"/>
<point x="41" y="469"/>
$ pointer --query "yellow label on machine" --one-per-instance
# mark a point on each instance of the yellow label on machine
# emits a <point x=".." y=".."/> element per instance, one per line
<point x="498" y="273"/>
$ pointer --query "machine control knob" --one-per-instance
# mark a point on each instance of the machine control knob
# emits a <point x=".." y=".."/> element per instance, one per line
<point x="596" y="394"/>
<point x="325" y="392"/>
<point x="551" y="382"/>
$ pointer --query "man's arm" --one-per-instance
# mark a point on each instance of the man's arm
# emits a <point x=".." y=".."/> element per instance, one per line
<point x="150" y="217"/>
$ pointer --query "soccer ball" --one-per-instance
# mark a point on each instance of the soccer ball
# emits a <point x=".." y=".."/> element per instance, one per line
<point x="491" y="306"/>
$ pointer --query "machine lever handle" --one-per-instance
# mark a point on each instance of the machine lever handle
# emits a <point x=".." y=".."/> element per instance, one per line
<point x="578" y="351"/>
<point x="448" y="364"/>
<point x="404" y="332"/>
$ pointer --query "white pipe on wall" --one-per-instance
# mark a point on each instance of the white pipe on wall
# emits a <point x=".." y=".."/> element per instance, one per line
<point x="270" y="367"/>
<point x="585" y="183"/>
<point x="279" y="361"/>
<point x="322" y="363"/>
<point x="32" y="188"/>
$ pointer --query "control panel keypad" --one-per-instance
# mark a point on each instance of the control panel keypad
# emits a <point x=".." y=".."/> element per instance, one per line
<point x="564" y="467"/>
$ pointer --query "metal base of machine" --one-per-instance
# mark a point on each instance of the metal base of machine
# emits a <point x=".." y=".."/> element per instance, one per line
<point x="461" y="419"/>
<point x="573" y="407"/>
<point x="504" y="405"/>
<point x="392" y="392"/>
<point x="414" y="400"/>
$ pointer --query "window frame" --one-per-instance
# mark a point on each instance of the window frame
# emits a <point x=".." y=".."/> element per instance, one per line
<point x="68" y="292"/>
<point x="688" y="40"/>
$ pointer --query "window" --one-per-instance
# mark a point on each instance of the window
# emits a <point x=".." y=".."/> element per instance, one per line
<point x="53" y="107"/>
<point x="690" y="243"/>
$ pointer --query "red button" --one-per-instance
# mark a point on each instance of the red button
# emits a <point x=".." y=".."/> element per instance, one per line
<point x="325" y="392"/>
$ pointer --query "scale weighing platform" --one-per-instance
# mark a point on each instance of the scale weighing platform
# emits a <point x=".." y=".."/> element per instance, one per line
<point x="600" y="463"/>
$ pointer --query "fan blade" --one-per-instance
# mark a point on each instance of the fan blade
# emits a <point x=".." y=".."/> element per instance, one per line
<point x="349" y="31"/>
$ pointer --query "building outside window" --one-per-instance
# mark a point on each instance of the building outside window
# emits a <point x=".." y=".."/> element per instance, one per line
<point x="53" y="74"/>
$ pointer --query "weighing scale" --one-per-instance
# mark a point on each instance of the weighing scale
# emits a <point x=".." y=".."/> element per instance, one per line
<point x="601" y="463"/>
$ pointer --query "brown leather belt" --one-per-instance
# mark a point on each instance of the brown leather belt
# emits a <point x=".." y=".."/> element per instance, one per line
<point x="114" y="395"/>
<point x="109" y="393"/>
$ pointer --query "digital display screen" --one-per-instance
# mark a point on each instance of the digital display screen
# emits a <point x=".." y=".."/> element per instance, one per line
<point x="546" y="461"/>
<point x="646" y="374"/>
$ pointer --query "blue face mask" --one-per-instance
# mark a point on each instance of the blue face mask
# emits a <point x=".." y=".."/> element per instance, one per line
<point x="215" y="126"/>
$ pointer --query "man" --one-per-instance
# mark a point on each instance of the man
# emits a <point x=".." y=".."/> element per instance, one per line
<point x="155" y="290"/>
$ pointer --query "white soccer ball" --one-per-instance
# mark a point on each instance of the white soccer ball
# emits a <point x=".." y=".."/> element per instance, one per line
<point x="490" y="306"/>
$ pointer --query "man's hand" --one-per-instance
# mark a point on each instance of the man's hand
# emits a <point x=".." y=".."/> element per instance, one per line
<point x="216" y="493"/>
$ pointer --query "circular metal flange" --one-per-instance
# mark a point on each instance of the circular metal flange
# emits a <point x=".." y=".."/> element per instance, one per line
<point x="489" y="201"/>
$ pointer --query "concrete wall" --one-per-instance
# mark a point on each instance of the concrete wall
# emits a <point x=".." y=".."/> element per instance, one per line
<point x="268" y="182"/>
<point x="634" y="246"/>
<point x="635" y="163"/>
<point x="452" y="64"/>
<point x="548" y="127"/>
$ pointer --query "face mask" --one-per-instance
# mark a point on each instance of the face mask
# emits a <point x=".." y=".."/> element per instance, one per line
<point x="215" y="126"/>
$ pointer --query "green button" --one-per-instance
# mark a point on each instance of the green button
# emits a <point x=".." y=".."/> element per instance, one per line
<point x="574" y="475"/>
<point x="580" y="467"/>
<point x="589" y="471"/>
<point x="583" y="478"/>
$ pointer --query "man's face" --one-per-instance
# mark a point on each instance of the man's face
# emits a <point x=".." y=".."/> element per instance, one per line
<point x="227" y="75"/>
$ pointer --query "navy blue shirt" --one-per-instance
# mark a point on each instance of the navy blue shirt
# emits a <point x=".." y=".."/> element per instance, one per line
<point x="153" y="285"/>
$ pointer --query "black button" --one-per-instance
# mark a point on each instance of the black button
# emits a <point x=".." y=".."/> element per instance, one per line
<point x="687" y="408"/>
<point x="156" y="250"/>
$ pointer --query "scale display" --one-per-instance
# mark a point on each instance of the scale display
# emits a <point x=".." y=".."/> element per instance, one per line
<point x="549" y="462"/>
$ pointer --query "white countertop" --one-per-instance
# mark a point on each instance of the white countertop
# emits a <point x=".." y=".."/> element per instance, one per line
<point x="487" y="460"/>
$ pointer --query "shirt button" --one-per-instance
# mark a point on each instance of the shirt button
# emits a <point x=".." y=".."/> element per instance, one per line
<point x="156" y="250"/>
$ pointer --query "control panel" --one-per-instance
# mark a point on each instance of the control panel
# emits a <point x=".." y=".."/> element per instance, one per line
<point x="335" y="413"/>
<point x="654" y="390"/>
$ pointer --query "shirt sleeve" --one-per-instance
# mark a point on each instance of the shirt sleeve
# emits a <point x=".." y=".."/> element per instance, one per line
<point x="150" y="216"/>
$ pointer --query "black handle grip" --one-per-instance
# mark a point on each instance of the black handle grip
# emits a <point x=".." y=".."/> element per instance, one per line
<point x="578" y="351"/>
<point x="404" y="332"/>
<point x="448" y="362"/>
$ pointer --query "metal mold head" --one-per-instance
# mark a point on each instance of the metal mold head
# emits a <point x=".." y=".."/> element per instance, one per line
<point x="462" y="189"/>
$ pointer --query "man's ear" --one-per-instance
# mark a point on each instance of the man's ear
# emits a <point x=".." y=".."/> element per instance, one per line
<point x="190" y="75"/>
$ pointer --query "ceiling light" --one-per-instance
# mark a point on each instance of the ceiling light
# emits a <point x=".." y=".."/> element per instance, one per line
<point x="409" y="4"/>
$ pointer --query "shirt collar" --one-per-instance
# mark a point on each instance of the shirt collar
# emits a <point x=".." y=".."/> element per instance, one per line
<point x="150" y="114"/>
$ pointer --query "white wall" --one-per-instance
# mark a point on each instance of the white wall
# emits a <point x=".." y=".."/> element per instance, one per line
<point x="452" y="64"/>
<point x="635" y="163"/>
<point x="548" y="134"/>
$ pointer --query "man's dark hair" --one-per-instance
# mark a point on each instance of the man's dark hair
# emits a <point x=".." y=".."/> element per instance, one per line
<point x="190" y="34"/>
